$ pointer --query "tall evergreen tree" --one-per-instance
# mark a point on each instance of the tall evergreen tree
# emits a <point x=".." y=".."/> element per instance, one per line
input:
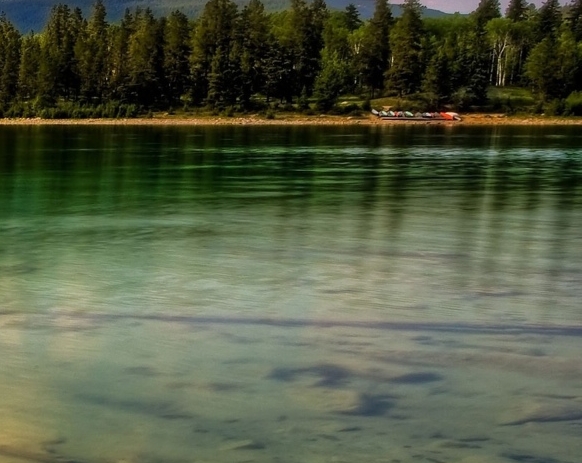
<point x="254" y="45"/>
<point x="176" y="56"/>
<point x="119" y="56"/>
<point x="58" y="70"/>
<point x="516" y="10"/>
<point x="279" y="75"/>
<point x="575" y="19"/>
<point x="405" y="75"/>
<point x="549" y="18"/>
<point x="10" y="46"/>
<point x="29" y="66"/>
<point x="145" y="60"/>
<point x="352" y="17"/>
<point x="437" y="82"/>
<point x="91" y="53"/>
<point x="306" y="42"/>
<point x="375" y="56"/>
<point x="486" y="11"/>
<point x="213" y="35"/>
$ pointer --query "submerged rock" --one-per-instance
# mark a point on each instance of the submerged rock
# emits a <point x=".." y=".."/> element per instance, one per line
<point x="247" y="444"/>
<point x="543" y="412"/>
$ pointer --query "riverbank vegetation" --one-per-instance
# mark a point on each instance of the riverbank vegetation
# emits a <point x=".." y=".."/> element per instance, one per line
<point x="306" y="58"/>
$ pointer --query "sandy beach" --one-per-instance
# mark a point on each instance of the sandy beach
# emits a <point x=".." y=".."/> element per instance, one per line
<point x="292" y="119"/>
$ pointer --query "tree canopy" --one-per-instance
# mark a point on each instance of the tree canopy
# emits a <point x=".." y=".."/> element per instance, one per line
<point x="244" y="57"/>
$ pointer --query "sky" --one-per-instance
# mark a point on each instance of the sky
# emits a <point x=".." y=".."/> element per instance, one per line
<point x="464" y="6"/>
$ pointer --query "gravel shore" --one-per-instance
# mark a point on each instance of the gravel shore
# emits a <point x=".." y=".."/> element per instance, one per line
<point x="472" y="119"/>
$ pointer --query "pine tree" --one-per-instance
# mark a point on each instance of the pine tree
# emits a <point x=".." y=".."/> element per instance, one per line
<point x="437" y="82"/>
<point x="405" y="75"/>
<point x="176" y="56"/>
<point x="145" y="68"/>
<point x="549" y="18"/>
<point x="58" y="74"/>
<point x="305" y="41"/>
<point x="516" y="10"/>
<point x="10" y="45"/>
<point x="29" y="67"/>
<point x="118" y="38"/>
<point x="352" y="17"/>
<point x="91" y="54"/>
<point x="375" y="56"/>
<point x="486" y="11"/>
<point x="575" y="19"/>
<point x="254" y="44"/>
<point x="213" y="34"/>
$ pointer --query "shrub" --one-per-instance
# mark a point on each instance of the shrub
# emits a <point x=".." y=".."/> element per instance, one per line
<point x="573" y="104"/>
<point x="229" y="112"/>
<point x="555" y="108"/>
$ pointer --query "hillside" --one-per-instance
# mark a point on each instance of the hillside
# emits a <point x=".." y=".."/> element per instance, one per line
<point x="30" y="15"/>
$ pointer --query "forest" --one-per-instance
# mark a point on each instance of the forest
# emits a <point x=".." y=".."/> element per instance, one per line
<point x="305" y="58"/>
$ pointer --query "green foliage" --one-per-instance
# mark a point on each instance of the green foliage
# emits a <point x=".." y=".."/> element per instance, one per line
<point x="573" y="104"/>
<point x="555" y="107"/>
<point x="244" y="58"/>
<point x="486" y="11"/>
<point x="374" y="59"/>
<point x="516" y="10"/>
<point x="406" y="36"/>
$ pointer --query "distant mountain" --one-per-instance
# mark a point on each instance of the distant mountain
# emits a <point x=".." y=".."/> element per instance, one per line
<point x="30" y="15"/>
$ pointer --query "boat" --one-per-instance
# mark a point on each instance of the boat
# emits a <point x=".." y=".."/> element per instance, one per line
<point x="409" y="116"/>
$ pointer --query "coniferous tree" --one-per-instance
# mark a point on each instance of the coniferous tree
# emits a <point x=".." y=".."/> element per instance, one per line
<point x="437" y="82"/>
<point x="254" y="48"/>
<point x="91" y="54"/>
<point x="575" y="19"/>
<point x="119" y="56"/>
<point x="375" y="56"/>
<point x="405" y="75"/>
<point x="58" y="73"/>
<point x="306" y="41"/>
<point x="176" y="56"/>
<point x="279" y="74"/>
<point x="10" y="47"/>
<point x="549" y="18"/>
<point x="213" y="35"/>
<point x="486" y="11"/>
<point x="352" y="17"/>
<point x="145" y="68"/>
<point x="516" y="10"/>
<point x="28" y="67"/>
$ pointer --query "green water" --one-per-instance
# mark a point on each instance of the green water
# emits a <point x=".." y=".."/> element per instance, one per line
<point x="246" y="294"/>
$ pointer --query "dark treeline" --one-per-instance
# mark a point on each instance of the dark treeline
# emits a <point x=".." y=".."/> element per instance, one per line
<point x="307" y="55"/>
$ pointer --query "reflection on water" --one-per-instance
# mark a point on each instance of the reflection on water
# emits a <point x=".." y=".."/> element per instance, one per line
<point x="385" y="294"/>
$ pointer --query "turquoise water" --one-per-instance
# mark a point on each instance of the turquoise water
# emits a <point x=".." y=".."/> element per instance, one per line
<point x="291" y="294"/>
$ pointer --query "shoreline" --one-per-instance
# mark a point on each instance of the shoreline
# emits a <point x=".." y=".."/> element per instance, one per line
<point x="300" y="120"/>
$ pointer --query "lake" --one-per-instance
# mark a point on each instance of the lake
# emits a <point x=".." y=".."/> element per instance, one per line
<point x="387" y="294"/>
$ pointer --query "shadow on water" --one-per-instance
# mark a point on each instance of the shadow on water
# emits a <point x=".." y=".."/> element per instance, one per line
<point x="370" y="405"/>
<point x="328" y="375"/>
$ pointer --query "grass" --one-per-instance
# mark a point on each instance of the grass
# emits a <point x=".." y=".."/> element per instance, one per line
<point x="511" y="100"/>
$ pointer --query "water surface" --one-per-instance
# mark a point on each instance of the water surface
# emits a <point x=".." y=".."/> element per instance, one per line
<point x="291" y="294"/>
